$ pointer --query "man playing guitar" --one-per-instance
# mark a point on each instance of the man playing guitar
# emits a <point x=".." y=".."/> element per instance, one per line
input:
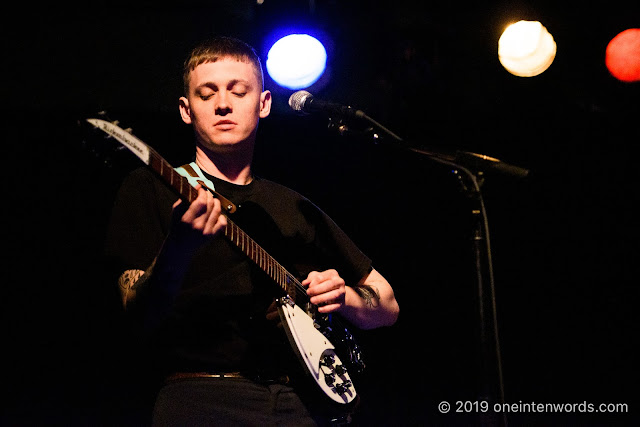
<point x="208" y="309"/>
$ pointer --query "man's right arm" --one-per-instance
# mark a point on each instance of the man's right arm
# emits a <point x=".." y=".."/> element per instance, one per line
<point x="129" y="282"/>
<point x="152" y="291"/>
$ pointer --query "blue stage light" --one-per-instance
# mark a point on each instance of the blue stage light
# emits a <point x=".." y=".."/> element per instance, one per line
<point x="296" y="61"/>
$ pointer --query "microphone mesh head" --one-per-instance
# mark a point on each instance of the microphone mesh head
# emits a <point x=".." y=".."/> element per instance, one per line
<point x="296" y="100"/>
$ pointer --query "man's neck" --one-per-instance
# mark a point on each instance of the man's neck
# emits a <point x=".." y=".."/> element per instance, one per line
<point x="229" y="166"/>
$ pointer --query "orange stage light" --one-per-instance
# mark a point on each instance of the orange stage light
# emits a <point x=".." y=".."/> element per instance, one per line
<point x="622" y="56"/>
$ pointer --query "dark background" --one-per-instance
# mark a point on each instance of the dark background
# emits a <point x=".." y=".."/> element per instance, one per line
<point x="564" y="240"/>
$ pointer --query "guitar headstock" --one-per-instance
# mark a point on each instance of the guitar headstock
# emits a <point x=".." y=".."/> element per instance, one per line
<point x="102" y="147"/>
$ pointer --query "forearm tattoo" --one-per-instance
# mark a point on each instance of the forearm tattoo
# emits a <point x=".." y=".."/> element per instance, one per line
<point x="369" y="294"/>
<point x="128" y="283"/>
<point x="131" y="281"/>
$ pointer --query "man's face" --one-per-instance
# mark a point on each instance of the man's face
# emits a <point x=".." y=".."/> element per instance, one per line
<point x="224" y="104"/>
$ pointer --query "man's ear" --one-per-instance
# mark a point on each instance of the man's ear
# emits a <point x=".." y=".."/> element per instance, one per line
<point x="265" y="104"/>
<point x="185" y="111"/>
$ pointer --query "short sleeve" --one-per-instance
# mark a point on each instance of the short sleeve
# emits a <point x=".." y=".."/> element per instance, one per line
<point x="139" y="221"/>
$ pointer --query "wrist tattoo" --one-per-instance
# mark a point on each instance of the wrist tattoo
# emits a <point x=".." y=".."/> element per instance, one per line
<point x="369" y="294"/>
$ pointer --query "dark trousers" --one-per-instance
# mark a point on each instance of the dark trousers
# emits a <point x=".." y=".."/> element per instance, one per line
<point x="229" y="402"/>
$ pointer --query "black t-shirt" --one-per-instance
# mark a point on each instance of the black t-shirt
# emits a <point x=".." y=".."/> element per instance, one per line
<point x="218" y="322"/>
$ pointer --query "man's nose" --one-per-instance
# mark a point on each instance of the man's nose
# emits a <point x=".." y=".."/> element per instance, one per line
<point x="223" y="106"/>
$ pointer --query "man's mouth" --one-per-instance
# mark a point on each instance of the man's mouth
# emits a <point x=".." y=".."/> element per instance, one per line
<point x="225" y="124"/>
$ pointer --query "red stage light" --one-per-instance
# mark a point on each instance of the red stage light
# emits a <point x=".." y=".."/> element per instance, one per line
<point x="622" y="56"/>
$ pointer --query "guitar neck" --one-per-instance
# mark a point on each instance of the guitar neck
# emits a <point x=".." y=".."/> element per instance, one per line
<point x="179" y="183"/>
<point x="232" y="232"/>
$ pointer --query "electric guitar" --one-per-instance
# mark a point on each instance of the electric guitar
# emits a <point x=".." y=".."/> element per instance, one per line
<point x="309" y="332"/>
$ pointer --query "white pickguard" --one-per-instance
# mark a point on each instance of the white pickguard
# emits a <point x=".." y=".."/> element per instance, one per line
<point x="317" y="353"/>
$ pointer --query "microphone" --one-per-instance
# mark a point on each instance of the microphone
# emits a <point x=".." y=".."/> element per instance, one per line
<point x="303" y="102"/>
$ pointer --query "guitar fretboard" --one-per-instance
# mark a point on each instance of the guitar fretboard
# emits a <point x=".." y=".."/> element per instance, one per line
<point x="262" y="259"/>
<point x="232" y="232"/>
<point x="171" y="177"/>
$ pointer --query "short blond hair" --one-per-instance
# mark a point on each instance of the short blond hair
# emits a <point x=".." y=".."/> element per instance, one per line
<point x="217" y="48"/>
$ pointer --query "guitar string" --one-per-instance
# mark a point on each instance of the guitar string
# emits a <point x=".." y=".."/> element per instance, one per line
<point x="269" y="261"/>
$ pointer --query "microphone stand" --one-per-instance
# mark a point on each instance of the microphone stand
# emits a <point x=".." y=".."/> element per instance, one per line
<point x="468" y="167"/>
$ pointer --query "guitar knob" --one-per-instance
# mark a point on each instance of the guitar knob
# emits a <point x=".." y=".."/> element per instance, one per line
<point x="329" y="379"/>
<point x="340" y="370"/>
<point x="327" y="360"/>
<point x="340" y="388"/>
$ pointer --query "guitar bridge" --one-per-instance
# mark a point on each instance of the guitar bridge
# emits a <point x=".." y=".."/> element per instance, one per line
<point x="286" y="300"/>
